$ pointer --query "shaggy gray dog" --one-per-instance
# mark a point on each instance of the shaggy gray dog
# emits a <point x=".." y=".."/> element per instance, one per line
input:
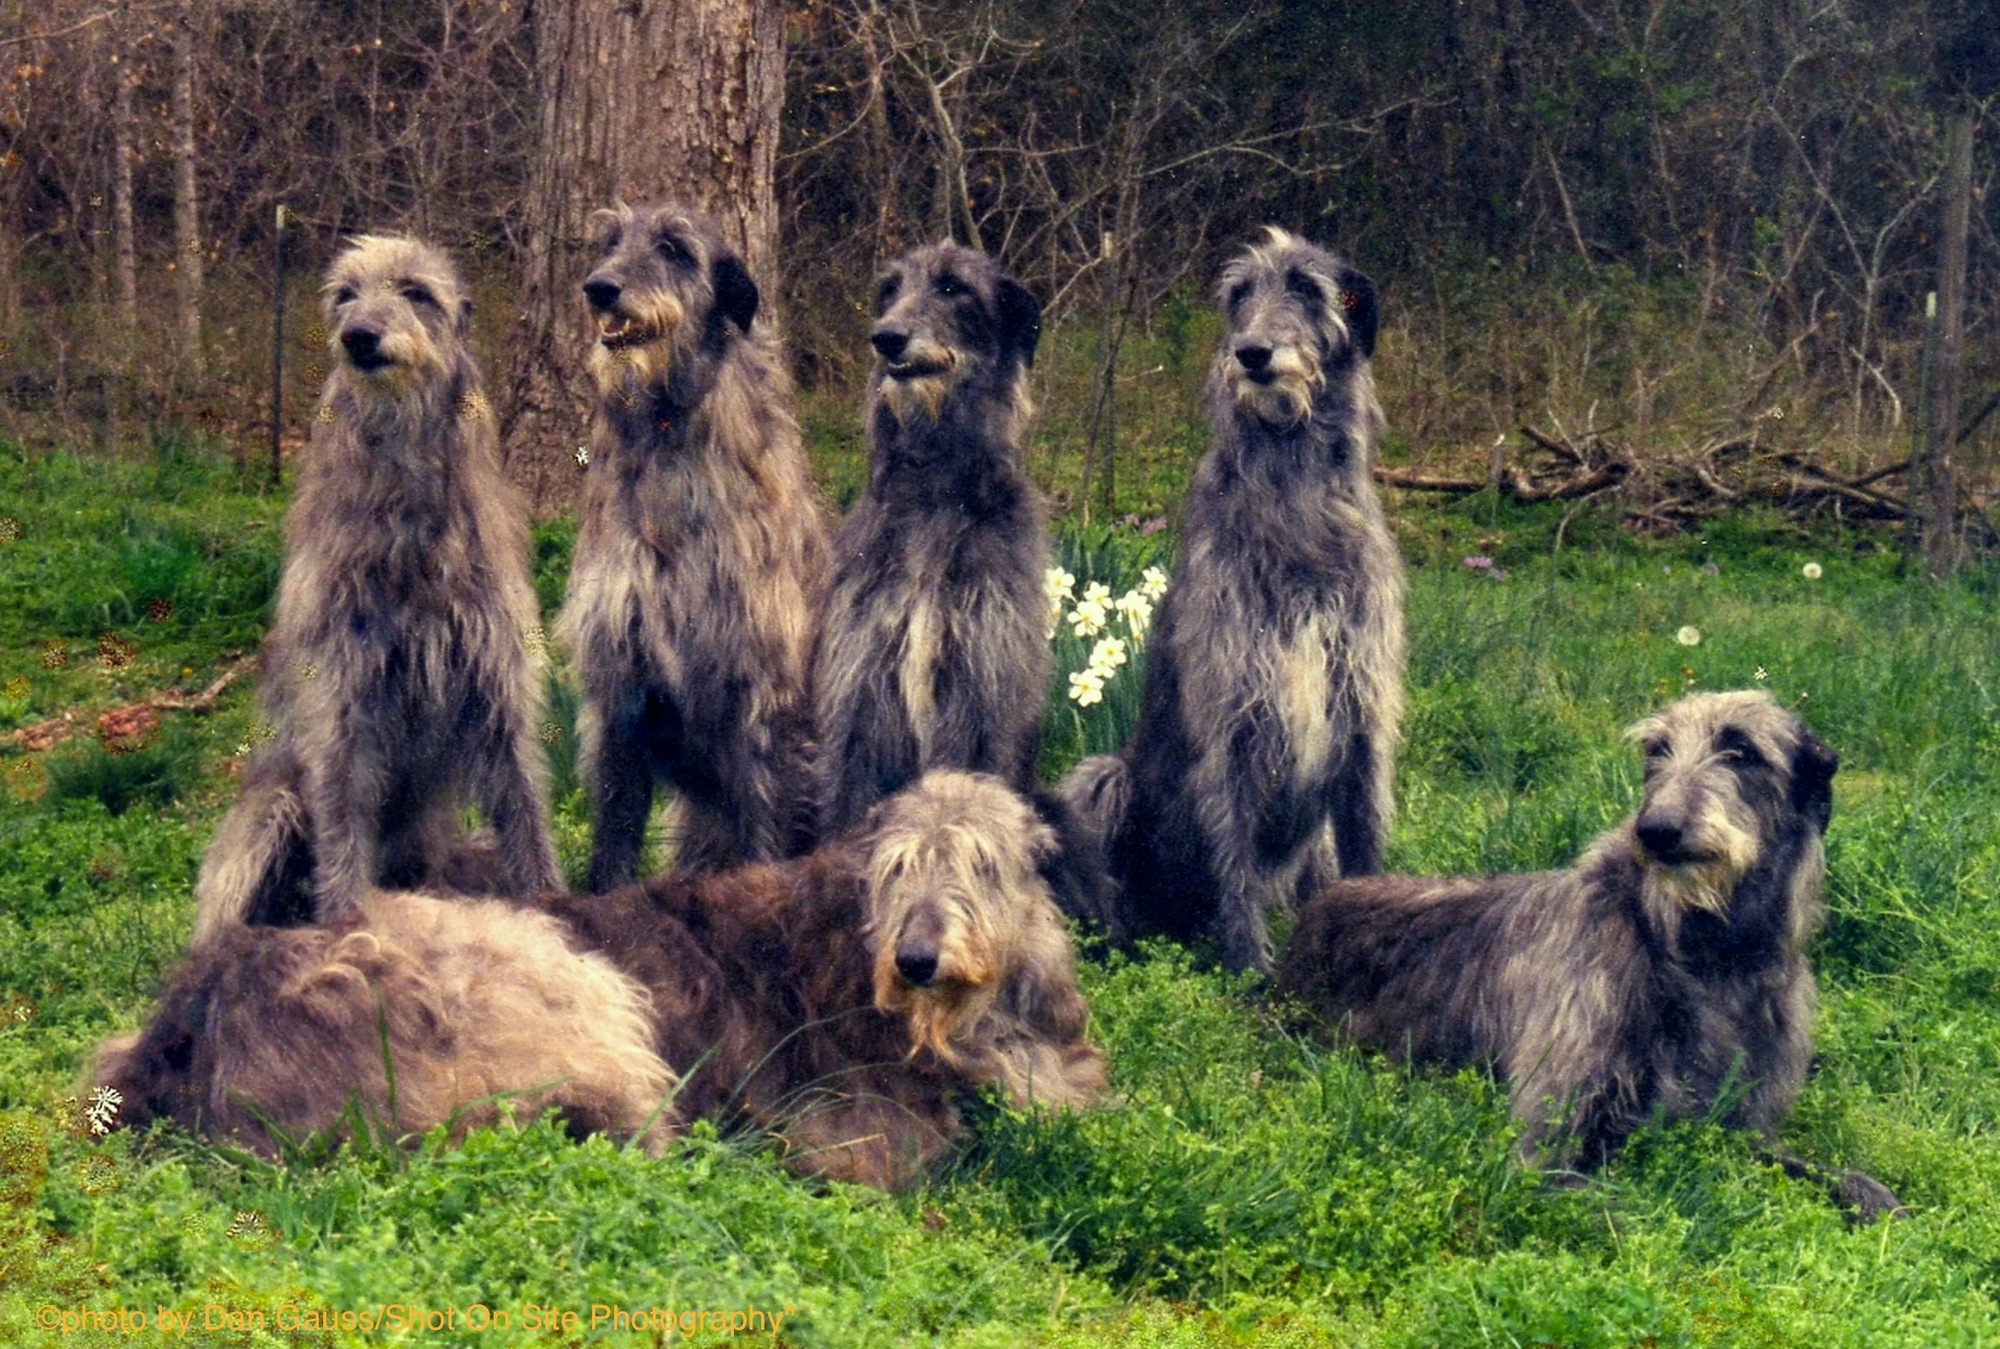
<point x="1662" y="972"/>
<point x="396" y="673"/>
<point x="934" y="652"/>
<point x="701" y="560"/>
<point x="1262" y="760"/>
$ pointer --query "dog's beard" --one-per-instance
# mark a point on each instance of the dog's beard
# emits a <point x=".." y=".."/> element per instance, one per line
<point x="1722" y="850"/>
<point x="1285" y="398"/>
<point x="635" y="351"/>
<point x="1705" y="885"/>
<point x="399" y="368"/>
<point x="915" y="387"/>
<point x="941" y="1015"/>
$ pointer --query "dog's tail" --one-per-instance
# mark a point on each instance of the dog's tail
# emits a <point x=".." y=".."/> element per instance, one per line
<point x="1088" y="812"/>
<point x="259" y="866"/>
<point x="1098" y="794"/>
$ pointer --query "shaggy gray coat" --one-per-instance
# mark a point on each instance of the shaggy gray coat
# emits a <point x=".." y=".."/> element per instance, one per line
<point x="397" y="674"/>
<point x="1274" y="670"/>
<point x="934" y="652"/>
<point x="1663" y="974"/>
<point x="701" y="559"/>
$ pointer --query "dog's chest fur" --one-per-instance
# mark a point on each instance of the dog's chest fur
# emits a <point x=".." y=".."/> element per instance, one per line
<point x="1267" y="631"/>
<point x="649" y="585"/>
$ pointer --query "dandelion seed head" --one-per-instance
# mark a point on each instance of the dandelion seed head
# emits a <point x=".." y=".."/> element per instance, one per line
<point x="102" y="1111"/>
<point x="1689" y="636"/>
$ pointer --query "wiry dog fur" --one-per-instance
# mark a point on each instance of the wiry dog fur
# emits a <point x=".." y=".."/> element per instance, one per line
<point x="1262" y="761"/>
<point x="1667" y="966"/>
<point x="396" y="671"/>
<point x="841" y="999"/>
<point x="934" y="653"/>
<point x="467" y="999"/>
<point x="701" y="560"/>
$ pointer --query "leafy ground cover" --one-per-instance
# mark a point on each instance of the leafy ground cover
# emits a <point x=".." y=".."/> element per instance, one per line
<point x="1252" y="1190"/>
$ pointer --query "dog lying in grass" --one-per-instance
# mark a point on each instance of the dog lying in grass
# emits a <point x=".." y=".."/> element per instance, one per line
<point x="840" y="1001"/>
<point x="1662" y="975"/>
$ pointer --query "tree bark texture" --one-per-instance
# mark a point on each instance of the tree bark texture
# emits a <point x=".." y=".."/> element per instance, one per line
<point x="1940" y="516"/>
<point x="187" y="205"/>
<point x="638" y="100"/>
<point x="124" y="252"/>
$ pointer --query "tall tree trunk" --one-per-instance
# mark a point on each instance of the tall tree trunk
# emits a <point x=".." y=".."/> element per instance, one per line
<point x="124" y="257"/>
<point x="1940" y="515"/>
<point x="187" y="206"/>
<point x="637" y="101"/>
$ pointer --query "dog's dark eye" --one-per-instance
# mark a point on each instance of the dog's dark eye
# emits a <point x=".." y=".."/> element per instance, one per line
<point x="345" y="295"/>
<point x="949" y="285"/>
<point x="416" y="294"/>
<point x="1734" y="747"/>
<point x="1238" y="293"/>
<point x="1302" y="287"/>
<point x="1654" y="750"/>
<point x="608" y="241"/>
<point x="674" y="251"/>
<point x="886" y="292"/>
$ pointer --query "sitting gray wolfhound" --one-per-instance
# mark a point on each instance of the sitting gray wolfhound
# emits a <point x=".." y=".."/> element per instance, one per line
<point x="701" y="557"/>
<point x="397" y="673"/>
<point x="1661" y="974"/>
<point x="840" y="1000"/>
<point x="934" y="652"/>
<point x="1261" y="763"/>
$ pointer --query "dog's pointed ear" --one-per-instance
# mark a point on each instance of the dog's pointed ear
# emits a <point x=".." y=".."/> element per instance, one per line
<point x="1020" y="319"/>
<point x="735" y="292"/>
<point x="464" y="319"/>
<point x="1357" y="306"/>
<point x="1813" y="766"/>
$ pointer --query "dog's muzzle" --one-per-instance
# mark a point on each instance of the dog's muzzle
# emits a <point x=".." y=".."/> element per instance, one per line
<point x="618" y="331"/>
<point x="917" y="963"/>
<point x="363" y="346"/>
<point x="1665" y="841"/>
<point x="905" y="357"/>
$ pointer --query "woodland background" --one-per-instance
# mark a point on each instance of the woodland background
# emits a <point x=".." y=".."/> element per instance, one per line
<point x="1690" y="243"/>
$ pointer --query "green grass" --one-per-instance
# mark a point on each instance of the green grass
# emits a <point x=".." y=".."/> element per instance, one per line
<point x="1251" y="1189"/>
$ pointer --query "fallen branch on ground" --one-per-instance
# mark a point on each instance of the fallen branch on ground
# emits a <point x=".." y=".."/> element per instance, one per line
<point x="122" y="726"/>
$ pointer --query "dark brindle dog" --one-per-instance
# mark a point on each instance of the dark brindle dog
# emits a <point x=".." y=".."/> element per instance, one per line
<point x="1662" y="970"/>
<point x="934" y="652"/>
<point x="1274" y="673"/>
<point x="701" y="560"/>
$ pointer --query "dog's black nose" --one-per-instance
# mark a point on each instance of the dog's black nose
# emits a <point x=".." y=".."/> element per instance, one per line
<point x="363" y="345"/>
<point x="1660" y="837"/>
<point x="917" y="964"/>
<point x="1253" y="358"/>
<point x="602" y="294"/>
<point x="889" y="343"/>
